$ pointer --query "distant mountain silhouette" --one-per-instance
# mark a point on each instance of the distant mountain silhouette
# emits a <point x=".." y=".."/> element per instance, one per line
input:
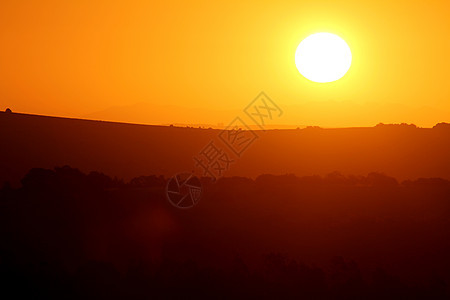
<point x="129" y="150"/>
<point x="150" y="113"/>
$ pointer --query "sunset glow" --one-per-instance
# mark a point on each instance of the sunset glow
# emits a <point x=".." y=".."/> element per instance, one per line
<point x="200" y="62"/>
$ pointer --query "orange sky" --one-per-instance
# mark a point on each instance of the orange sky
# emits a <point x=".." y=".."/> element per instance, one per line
<point x="204" y="61"/>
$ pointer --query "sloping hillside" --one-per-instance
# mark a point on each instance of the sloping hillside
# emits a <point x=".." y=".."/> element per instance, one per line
<point x="128" y="150"/>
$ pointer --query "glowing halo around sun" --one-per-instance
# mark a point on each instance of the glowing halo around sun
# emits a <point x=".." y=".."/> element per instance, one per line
<point x="323" y="57"/>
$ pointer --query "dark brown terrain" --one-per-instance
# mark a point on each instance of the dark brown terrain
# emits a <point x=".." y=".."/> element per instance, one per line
<point x="128" y="150"/>
<point x="336" y="227"/>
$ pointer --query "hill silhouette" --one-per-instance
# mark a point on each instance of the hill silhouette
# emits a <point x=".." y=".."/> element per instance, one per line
<point x="129" y="150"/>
<point x="65" y="232"/>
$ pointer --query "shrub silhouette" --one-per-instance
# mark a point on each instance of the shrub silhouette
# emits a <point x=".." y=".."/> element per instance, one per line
<point x="92" y="236"/>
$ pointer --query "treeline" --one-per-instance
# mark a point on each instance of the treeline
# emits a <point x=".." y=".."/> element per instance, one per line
<point x="66" y="234"/>
<point x="70" y="178"/>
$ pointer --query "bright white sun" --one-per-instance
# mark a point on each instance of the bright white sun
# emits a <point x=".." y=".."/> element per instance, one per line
<point x="323" y="57"/>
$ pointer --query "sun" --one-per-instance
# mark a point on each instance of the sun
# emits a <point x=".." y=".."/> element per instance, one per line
<point x="323" y="57"/>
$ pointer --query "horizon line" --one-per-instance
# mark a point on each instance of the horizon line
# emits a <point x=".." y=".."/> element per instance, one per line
<point x="217" y="127"/>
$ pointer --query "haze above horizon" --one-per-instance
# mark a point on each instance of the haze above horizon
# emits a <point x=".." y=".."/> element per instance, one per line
<point x="202" y="62"/>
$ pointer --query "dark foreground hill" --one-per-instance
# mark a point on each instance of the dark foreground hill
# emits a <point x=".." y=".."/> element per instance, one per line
<point x="71" y="235"/>
<point x="128" y="150"/>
